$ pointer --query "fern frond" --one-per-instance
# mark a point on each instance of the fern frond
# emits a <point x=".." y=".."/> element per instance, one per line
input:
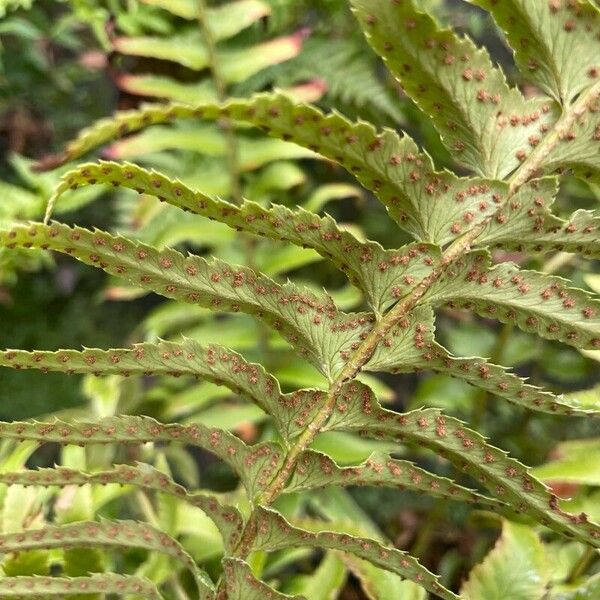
<point x="505" y="477"/>
<point x="411" y="346"/>
<point x="273" y="532"/>
<point x="535" y="302"/>
<point x="216" y="364"/>
<point x="310" y="323"/>
<point x="241" y="584"/>
<point x="108" y="534"/>
<point x="433" y="206"/>
<point x="213" y="363"/>
<point x="63" y="587"/>
<point x="380" y="273"/>
<point x="577" y="146"/>
<point x="457" y="85"/>
<point x="526" y="223"/>
<point x="254" y="464"/>
<point x="226" y="518"/>
<point x="317" y="470"/>
<point x="545" y="36"/>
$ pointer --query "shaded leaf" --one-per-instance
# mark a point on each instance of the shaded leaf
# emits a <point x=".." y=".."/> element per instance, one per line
<point x="160" y="86"/>
<point x="575" y="461"/>
<point x="325" y="582"/>
<point x="516" y="568"/>
<point x="224" y="21"/>
<point x="189" y="50"/>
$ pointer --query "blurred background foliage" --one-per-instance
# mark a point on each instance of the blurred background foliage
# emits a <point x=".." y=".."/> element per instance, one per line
<point x="66" y="63"/>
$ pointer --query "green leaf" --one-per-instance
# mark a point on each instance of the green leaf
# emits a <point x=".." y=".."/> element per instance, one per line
<point x="577" y="461"/>
<point x="255" y="464"/>
<point x="309" y="322"/>
<point x="516" y="568"/>
<point x="411" y="346"/>
<point x="545" y="36"/>
<point x="32" y="562"/>
<point x="273" y="532"/>
<point x="317" y="470"/>
<point x="505" y="477"/>
<point x="396" y="270"/>
<point x="241" y="584"/>
<point x="188" y="50"/>
<point x="535" y="302"/>
<point x="330" y="192"/>
<point x="224" y="21"/>
<point x="252" y="153"/>
<point x="212" y="363"/>
<point x="382" y="585"/>
<point x="589" y="590"/>
<point x="335" y="504"/>
<point x="484" y="122"/>
<point x="108" y="534"/>
<point x="144" y="476"/>
<point x="434" y="206"/>
<point x="325" y="582"/>
<point x="61" y="587"/>
<point x="167" y="88"/>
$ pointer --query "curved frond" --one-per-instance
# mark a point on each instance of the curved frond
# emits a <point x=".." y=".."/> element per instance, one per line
<point x="379" y="273"/>
<point x="505" y="478"/>
<point x="411" y="346"/>
<point x="312" y="324"/>
<point x="317" y="470"/>
<point x="255" y="465"/>
<point x="275" y="533"/>
<point x="108" y="534"/>
<point x="433" y="206"/>
<point x="226" y="518"/>
<point x="63" y="587"/>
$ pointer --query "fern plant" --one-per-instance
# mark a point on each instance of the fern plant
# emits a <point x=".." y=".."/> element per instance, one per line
<point x="516" y="149"/>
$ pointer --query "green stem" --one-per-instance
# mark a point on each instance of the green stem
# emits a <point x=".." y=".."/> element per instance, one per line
<point x="219" y="83"/>
<point x="583" y="564"/>
<point x="422" y="542"/>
